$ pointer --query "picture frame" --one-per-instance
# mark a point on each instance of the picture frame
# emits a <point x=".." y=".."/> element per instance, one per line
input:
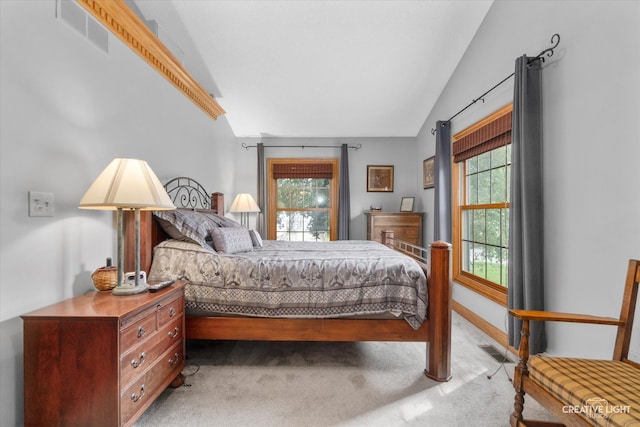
<point x="407" y="204"/>
<point x="428" y="172"/>
<point x="380" y="178"/>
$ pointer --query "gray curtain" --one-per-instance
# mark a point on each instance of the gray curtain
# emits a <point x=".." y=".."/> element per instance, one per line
<point x="442" y="182"/>
<point x="260" y="222"/>
<point x="344" y="199"/>
<point x="526" y="269"/>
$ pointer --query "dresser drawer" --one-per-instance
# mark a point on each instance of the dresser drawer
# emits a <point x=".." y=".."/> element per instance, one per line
<point x="170" y="311"/>
<point x="398" y="222"/>
<point x="405" y="226"/>
<point x="138" y="331"/>
<point x="406" y="234"/>
<point x="135" y="397"/>
<point x="139" y="358"/>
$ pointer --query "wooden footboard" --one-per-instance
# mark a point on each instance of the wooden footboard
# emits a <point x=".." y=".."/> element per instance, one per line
<point x="435" y="331"/>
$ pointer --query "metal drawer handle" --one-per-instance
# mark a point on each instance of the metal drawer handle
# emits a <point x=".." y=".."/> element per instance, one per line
<point x="174" y="333"/>
<point x="172" y="312"/>
<point x="141" y="331"/>
<point x="175" y="360"/>
<point x="136" y="397"/>
<point x="135" y="363"/>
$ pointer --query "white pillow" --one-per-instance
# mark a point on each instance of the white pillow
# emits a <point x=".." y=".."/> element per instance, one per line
<point x="255" y="238"/>
<point x="231" y="240"/>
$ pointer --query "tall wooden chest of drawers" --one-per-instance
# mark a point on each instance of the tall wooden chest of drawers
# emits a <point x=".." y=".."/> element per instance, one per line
<point x="406" y="226"/>
<point x="99" y="359"/>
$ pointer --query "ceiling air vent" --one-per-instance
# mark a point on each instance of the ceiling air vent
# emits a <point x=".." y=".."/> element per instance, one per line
<point x="74" y="15"/>
<point x="163" y="36"/>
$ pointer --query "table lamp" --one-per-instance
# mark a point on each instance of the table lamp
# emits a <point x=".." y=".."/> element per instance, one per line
<point x="127" y="184"/>
<point x="244" y="204"/>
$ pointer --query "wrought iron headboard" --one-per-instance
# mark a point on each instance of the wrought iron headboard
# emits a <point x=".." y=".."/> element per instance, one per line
<point x="188" y="193"/>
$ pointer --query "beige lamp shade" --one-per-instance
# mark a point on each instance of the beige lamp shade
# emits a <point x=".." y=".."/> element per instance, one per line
<point x="244" y="202"/>
<point x="127" y="184"/>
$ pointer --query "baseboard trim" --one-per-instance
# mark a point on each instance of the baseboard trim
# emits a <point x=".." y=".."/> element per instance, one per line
<point x="486" y="327"/>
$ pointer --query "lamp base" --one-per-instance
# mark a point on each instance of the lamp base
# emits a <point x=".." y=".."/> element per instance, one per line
<point x="132" y="289"/>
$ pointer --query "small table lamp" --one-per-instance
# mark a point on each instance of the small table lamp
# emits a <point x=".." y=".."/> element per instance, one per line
<point x="127" y="184"/>
<point x="244" y="204"/>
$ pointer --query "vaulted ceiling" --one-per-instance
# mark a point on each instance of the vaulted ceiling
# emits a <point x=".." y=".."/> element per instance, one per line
<point x="323" y="68"/>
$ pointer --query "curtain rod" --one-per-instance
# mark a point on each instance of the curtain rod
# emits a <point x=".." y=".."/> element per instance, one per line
<point x="555" y="40"/>
<point x="355" y="147"/>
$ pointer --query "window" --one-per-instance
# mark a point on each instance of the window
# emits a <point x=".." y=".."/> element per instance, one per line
<point x="482" y="165"/>
<point x="302" y="199"/>
<point x="485" y="215"/>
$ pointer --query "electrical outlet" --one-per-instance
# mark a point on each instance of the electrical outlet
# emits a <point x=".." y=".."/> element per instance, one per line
<point x="41" y="204"/>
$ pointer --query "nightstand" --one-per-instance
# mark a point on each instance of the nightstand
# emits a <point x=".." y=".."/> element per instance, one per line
<point x="101" y="360"/>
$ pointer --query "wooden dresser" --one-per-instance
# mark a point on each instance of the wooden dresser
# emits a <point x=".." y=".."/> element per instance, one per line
<point x="406" y="226"/>
<point x="101" y="360"/>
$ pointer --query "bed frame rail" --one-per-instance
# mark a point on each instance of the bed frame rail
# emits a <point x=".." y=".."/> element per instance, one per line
<point x="435" y="331"/>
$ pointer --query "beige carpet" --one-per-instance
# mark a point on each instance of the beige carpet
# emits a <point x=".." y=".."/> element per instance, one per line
<point x="338" y="384"/>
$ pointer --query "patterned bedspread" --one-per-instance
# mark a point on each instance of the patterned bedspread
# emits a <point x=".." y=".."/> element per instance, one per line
<point x="297" y="279"/>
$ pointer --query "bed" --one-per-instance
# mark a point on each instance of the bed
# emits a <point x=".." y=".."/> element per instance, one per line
<point x="350" y="290"/>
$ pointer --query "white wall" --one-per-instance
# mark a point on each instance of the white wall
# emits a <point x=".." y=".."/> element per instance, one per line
<point x="398" y="152"/>
<point x="67" y="109"/>
<point x="591" y="93"/>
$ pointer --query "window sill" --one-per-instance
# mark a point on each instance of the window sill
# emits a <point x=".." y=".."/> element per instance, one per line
<point x="498" y="296"/>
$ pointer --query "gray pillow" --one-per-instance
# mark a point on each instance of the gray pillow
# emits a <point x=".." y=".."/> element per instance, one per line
<point x="188" y="225"/>
<point x="255" y="238"/>
<point x="231" y="240"/>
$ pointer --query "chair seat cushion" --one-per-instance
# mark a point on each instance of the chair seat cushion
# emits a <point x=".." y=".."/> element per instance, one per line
<point x="603" y="392"/>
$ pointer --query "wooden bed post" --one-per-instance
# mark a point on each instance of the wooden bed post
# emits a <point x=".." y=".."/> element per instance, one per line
<point x="439" y="313"/>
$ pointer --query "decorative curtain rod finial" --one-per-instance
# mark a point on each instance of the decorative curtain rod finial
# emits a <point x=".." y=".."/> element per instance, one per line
<point x="555" y="41"/>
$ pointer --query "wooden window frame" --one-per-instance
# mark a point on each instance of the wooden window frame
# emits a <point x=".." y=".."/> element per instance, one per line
<point x="486" y="288"/>
<point x="272" y="193"/>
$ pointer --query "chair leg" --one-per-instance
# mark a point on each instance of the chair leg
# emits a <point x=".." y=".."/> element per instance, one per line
<point x="519" y="373"/>
<point x="518" y="407"/>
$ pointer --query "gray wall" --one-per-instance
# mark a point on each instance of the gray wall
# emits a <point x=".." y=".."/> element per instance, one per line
<point x="67" y="109"/>
<point x="591" y="93"/>
<point x="398" y="152"/>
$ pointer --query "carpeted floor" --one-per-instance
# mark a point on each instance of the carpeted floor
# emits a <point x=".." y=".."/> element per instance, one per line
<point x="339" y="384"/>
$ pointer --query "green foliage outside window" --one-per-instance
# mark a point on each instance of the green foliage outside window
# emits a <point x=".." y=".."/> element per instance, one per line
<point x="485" y="216"/>
<point x="302" y="213"/>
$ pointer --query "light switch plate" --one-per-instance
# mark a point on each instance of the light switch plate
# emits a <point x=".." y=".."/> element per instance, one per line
<point x="41" y="204"/>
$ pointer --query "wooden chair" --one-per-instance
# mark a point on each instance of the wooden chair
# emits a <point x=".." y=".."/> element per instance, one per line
<point x="582" y="392"/>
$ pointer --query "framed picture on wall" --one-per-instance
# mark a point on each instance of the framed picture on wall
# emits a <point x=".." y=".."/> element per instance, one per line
<point x="428" y="171"/>
<point x="407" y="204"/>
<point x="380" y="178"/>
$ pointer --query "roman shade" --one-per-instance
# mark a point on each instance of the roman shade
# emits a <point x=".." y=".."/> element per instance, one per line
<point x="486" y="137"/>
<point x="302" y="170"/>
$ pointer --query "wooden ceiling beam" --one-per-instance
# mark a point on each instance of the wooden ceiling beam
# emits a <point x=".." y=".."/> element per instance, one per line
<point x="117" y="17"/>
